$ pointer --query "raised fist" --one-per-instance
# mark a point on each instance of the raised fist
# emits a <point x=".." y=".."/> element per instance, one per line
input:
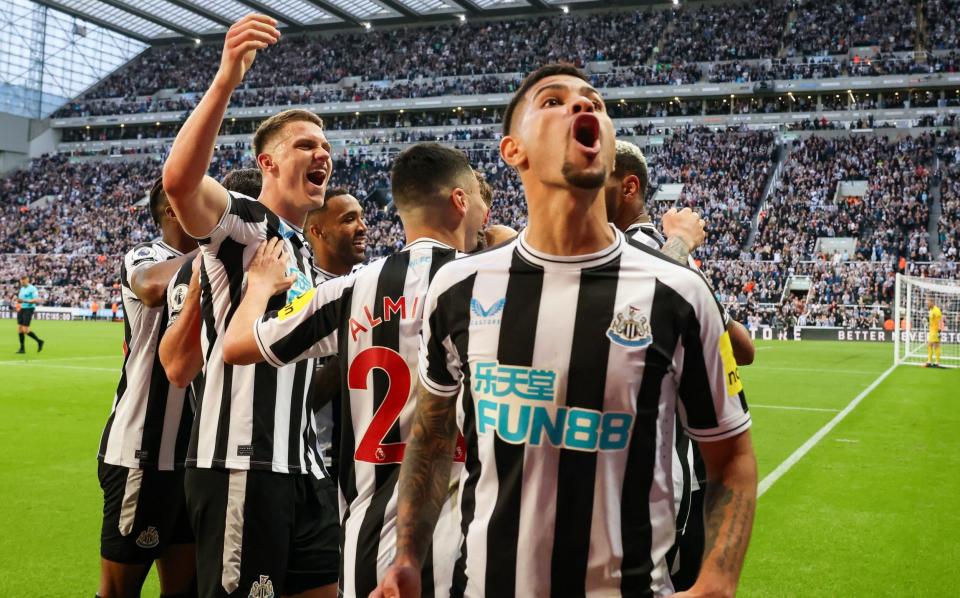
<point x="246" y="36"/>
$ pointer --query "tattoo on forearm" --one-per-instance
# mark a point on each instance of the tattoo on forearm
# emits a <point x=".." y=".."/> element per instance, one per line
<point x="425" y="473"/>
<point x="675" y="248"/>
<point x="728" y="519"/>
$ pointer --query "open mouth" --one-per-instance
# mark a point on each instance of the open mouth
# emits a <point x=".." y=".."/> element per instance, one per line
<point x="586" y="132"/>
<point x="317" y="177"/>
<point x="360" y="242"/>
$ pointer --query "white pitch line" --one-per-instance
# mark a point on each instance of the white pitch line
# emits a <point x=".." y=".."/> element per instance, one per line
<point x="811" y="442"/>
<point x="41" y="364"/>
<point x="37" y="360"/>
<point x="791" y="408"/>
<point x="816" y="370"/>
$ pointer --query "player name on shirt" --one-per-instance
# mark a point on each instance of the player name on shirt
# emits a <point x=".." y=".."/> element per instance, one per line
<point x="568" y="372"/>
<point x="372" y="319"/>
<point x="253" y="416"/>
<point x="149" y="425"/>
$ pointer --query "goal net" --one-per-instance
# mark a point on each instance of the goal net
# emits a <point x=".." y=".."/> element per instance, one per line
<point x="912" y="315"/>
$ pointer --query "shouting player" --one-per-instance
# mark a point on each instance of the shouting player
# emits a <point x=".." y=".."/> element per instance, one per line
<point x="935" y="322"/>
<point x="262" y="506"/>
<point x="372" y="319"/>
<point x="29" y="298"/>
<point x="144" y="443"/>
<point x="562" y="355"/>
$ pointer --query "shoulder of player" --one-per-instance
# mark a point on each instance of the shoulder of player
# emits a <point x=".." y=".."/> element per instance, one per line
<point x="666" y="269"/>
<point x="466" y="265"/>
<point x="153" y="250"/>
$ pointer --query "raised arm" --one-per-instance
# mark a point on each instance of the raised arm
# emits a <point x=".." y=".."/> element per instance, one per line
<point x="266" y="277"/>
<point x="180" y="352"/>
<point x="729" y="505"/>
<point x="149" y="283"/>
<point x="684" y="231"/>
<point x="198" y="200"/>
<point x="424" y="479"/>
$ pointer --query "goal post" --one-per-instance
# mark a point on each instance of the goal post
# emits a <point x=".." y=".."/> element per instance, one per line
<point x="912" y="323"/>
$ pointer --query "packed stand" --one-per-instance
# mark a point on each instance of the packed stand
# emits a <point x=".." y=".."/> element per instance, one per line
<point x="725" y="32"/>
<point x="724" y="174"/>
<point x="943" y="23"/>
<point x="890" y="220"/>
<point x="948" y="152"/>
<point x="511" y="46"/>
<point x="824" y="26"/>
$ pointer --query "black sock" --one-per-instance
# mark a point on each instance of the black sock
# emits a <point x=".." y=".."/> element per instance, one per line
<point x="21" y="341"/>
<point x="33" y="336"/>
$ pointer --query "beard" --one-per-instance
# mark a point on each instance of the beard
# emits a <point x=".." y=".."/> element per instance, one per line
<point x="581" y="179"/>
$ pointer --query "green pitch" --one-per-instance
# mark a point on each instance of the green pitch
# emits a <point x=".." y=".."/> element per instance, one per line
<point x="870" y="510"/>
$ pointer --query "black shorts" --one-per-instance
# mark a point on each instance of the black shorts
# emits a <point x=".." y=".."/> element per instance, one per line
<point x="143" y="513"/>
<point x="24" y="316"/>
<point x="686" y="556"/>
<point x="260" y="531"/>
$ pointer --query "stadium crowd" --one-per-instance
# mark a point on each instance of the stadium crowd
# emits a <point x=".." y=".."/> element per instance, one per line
<point x="440" y="60"/>
<point x="724" y="172"/>
<point x="890" y="220"/>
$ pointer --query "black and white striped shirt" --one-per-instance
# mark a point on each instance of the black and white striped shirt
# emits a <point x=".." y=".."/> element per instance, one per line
<point x="149" y="425"/>
<point x="176" y="299"/>
<point x="689" y="471"/>
<point x="571" y="369"/>
<point x="372" y="319"/>
<point x="253" y="416"/>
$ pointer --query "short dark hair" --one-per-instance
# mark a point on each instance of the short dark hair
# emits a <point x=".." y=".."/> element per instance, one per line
<point x="269" y="128"/>
<point x="422" y="171"/>
<point x="486" y="191"/>
<point x="547" y="70"/>
<point x="630" y="160"/>
<point x="158" y="199"/>
<point x="327" y="195"/>
<point x="334" y="192"/>
<point x="248" y="181"/>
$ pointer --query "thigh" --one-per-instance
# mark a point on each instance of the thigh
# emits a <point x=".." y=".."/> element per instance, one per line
<point x="315" y="546"/>
<point x="243" y="522"/>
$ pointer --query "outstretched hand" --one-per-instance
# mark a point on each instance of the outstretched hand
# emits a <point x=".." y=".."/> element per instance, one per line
<point x="246" y="36"/>
<point x="267" y="270"/>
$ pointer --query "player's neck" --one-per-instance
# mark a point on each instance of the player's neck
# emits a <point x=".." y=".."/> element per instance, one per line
<point x="630" y="217"/>
<point x="562" y="222"/>
<point x="275" y="202"/>
<point x="332" y="264"/>
<point x="453" y="238"/>
<point x="175" y="237"/>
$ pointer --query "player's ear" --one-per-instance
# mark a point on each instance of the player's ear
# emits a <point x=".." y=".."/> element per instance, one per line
<point x="512" y="151"/>
<point x="265" y="162"/>
<point x="631" y="186"/>
<point x="458" y="199"/>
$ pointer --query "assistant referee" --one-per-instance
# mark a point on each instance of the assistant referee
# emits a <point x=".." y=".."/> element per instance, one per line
<point x="28" y="297"/>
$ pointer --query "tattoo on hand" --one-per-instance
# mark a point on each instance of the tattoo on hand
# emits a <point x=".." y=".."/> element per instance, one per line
<point x="425" y="473"/>
<point x="676" y="249"/>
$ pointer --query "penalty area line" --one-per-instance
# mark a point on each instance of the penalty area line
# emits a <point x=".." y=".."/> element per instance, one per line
<point x="811" y="442"/>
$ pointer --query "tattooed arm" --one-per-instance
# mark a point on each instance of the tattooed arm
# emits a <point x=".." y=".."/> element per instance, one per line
<point x="684" y="231"/>
<point x="729" y="505"/>
<point x="424" y="479"/>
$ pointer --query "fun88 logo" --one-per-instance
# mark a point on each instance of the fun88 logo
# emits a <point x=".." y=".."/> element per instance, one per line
<point x="519" y="404"/>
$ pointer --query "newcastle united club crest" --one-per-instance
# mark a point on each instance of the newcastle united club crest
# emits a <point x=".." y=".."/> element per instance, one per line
<point x="630" y="329"/>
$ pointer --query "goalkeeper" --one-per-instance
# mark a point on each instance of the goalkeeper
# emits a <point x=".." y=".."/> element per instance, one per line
<point x="935" y="319"/>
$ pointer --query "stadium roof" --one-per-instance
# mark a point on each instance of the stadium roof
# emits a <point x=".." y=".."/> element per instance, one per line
<point x="164" y="21"/>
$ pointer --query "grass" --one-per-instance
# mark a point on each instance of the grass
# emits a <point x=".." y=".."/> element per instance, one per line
<point x="869" y="511"/>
